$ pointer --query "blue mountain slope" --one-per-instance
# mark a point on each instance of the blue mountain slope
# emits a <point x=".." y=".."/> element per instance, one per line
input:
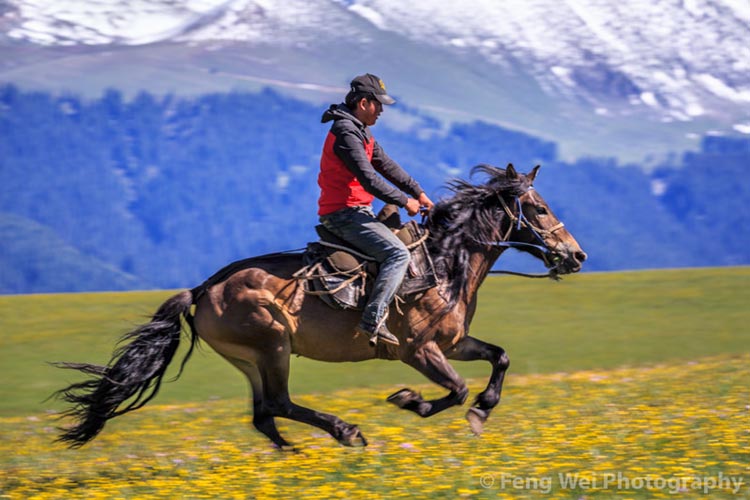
<point x="35" y="260"/>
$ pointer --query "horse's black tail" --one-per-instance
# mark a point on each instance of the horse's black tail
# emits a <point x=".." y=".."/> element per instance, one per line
<point x="135" y="372"/>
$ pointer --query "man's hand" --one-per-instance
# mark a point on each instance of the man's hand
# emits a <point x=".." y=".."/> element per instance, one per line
<point x="412" y="207"/>
<point x="425" y="202"/>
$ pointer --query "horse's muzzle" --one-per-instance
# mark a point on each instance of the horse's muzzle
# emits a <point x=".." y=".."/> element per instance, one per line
<point x="568" y="262"/>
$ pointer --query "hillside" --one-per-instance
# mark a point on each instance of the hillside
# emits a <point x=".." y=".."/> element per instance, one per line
<point x="162" y="191"/>
<point x="36" y="260"/>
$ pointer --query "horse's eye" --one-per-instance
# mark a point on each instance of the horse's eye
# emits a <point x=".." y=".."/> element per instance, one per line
<point x="541" y="211"/>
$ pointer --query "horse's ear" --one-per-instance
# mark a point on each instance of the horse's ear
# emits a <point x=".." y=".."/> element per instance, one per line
<point x="510" y="172"/>
<point x="532" y="175"/>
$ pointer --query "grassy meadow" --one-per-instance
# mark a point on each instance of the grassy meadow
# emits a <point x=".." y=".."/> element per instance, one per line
<point x="634" y="385"/>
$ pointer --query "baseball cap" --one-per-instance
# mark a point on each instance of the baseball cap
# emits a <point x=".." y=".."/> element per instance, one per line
<point x="371" y="84"/>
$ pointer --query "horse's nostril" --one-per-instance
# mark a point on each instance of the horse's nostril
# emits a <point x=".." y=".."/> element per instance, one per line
<point x="581" y="256"/>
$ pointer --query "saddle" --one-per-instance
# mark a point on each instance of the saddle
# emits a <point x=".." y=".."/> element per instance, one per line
<point x="342" y="276"/>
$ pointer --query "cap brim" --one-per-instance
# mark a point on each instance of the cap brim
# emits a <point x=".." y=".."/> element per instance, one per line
<point x="385" y="99"/>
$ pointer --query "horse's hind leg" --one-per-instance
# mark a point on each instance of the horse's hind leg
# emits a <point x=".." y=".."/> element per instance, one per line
<point x="276" y="401"/>
<point x="262" y="418"/>
<point x="471" y="349"/>
<point x="430" y="361"/>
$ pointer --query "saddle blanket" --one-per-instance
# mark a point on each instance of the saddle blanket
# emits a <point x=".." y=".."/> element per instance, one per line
<point x="343" y="277"/>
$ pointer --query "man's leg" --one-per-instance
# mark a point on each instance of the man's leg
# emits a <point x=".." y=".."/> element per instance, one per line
<point x="358" y="226"/>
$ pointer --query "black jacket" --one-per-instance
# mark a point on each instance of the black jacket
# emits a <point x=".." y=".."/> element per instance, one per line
<point x="350" y="136"/>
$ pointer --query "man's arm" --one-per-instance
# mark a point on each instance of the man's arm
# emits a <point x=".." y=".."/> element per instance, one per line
<point x="350" y="148"/>
<point x="394" y="172"/>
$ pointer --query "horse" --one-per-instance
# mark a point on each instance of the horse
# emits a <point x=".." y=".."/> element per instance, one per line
<point x="258" y="315"/>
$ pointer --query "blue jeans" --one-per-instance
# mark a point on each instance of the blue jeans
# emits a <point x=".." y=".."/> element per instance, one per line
<point x="359" y="227"/>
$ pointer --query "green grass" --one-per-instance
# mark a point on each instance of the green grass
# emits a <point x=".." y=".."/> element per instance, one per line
<point x="655" y="386"/>
<point x="594" y="320"/>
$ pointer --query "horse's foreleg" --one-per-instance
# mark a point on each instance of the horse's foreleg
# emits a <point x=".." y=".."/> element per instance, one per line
<point x="429" y="360"/>
<point x="471" y="349"/>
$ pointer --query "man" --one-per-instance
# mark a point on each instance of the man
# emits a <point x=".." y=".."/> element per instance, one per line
<point x="351" y="167"/>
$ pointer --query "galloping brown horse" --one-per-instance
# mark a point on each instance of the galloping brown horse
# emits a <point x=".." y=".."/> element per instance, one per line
<point x="259" y="316"/>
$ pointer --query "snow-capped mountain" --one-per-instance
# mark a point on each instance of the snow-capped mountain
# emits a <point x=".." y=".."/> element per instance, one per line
<point x="139" y="22"/>
<point x="598" y="76"/>
<point x="678" y="55"/>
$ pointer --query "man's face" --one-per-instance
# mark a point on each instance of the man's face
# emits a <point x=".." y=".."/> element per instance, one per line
<point x="368" y="111"/>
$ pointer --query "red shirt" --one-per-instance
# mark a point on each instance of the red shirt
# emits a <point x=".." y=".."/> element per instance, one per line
<point x="339" y="188"/>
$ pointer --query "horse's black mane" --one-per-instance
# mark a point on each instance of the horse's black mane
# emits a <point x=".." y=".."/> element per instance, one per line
<point x="472" y="215"/>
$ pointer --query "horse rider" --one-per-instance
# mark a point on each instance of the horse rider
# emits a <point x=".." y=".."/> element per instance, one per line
<point x="353" y="171"/>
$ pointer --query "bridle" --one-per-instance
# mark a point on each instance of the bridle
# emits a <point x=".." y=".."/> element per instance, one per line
<point x="519" y="221"/>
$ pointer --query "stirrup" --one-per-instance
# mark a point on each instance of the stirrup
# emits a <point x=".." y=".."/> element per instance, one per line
<point x="383" y="333"/>
<point x="380" y="334"/>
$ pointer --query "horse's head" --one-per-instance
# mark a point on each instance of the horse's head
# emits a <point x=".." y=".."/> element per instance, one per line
<point x="533" y="227"/>
<point x="503" y="212"/>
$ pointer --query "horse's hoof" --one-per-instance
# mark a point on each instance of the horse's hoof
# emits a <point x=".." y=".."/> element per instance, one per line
<point x="403" y="397"/>
<point x="352" y="437"/>
<point x="286" y="448"/>
<point x="476" y="418"/>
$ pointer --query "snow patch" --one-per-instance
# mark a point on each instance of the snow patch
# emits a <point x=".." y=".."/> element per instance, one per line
<point x="369" y="14"/>
<point x="658" y="187"/>
<point x="695" y="7"/>
<point x="598" y="24"/>
<point x="694" y="109"/>
<point x="650" y="99"/>
<point x="299" y="169"/>
<point x="740" y="8"/>
<point x="94" y="22"/>
<point x="282" y="181"/>
<point x="721" y="89"/>
<point x="564" y="74"/>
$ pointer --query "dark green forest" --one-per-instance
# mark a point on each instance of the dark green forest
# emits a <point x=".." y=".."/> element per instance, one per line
<point x="161" y="191"/>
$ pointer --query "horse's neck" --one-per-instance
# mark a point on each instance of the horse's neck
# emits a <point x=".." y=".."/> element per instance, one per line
<point x="480" y="264"/>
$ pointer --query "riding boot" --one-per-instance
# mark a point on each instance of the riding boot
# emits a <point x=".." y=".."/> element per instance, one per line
<point x="378" y="333"/>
